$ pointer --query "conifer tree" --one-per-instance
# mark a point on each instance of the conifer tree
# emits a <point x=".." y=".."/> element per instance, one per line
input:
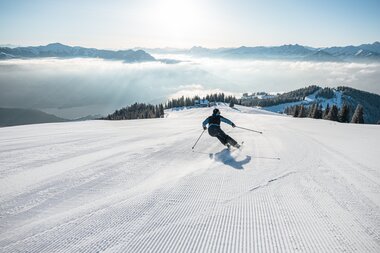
<point x="157" y="111"/>
<point x="326" y="111"/>
<point x="312" y="111"/>
<point x="358" y="115"/>
<point x="302" y="112"/>
<point x="161" y="109"/>
<point x="319" y="112"/>
<point x="333" y="113"/>
<point x="344" y="113"/>
<point x="296" y="111"/>
<point x="315" y="112"/>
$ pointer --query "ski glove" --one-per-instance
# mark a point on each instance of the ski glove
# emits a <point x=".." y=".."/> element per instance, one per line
<point x="233" y="125"/>
<point x="204" y="128"/>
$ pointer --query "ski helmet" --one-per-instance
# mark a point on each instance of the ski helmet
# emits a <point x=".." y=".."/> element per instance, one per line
<point x="216" y="111"/>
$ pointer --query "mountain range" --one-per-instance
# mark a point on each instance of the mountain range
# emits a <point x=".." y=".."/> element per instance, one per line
<point x="60" y="50"/>
<point x="364" y="52"/>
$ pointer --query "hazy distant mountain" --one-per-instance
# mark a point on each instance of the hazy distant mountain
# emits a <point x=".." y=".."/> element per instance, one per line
<point x="353" y="53"/>
<point x="298" y="52"/>
<point x="289" y="52"/>
<point x="19" y="116"/>
<point x="165" y="50"/>
<point x="60" y="50"/>
<point x="4" y="56"/>
<point x="321" y="55"/>
<point x="280" y="50"/>
<point x="9" y="45"/>
<point x="89" y="117"/>
<point x="364" y="52"/>
<point x="374" y="47"/>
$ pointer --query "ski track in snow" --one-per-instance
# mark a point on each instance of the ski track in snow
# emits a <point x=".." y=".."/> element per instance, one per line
<point x="136" y="186"/>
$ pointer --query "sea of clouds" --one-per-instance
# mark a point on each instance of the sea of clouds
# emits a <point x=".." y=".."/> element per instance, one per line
<point x="73" y="88"/>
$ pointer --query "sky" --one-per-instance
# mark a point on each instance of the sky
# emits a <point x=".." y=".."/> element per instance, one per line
<point x="184" y="23"/>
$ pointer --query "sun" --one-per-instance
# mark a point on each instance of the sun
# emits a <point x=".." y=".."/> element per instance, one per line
<point x="177" y="18"/>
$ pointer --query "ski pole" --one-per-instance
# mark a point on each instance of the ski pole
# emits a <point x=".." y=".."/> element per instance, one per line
<point x="250" y="130"/>
<point x="198" y="139"/>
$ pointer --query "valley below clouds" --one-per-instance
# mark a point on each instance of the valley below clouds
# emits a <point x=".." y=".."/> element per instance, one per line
<point x="77" y="87"/>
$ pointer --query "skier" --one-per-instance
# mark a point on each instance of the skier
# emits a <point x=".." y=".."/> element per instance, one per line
<point x="215" y="131"/>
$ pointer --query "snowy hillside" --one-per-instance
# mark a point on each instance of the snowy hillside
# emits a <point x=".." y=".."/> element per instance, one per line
<point x="309" y="100"/>
<point x="135" y="186"/>
<point x="324" y="97"/>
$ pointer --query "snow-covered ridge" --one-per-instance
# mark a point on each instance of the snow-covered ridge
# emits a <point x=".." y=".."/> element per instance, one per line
<point x="364" y="52"/>
<point x="60" y="50"/>
<point x="297" y="52"/>
<point x="135" y="186"/>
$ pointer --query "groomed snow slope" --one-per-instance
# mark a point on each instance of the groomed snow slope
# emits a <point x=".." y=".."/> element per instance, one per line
<point x="135" y="186"/>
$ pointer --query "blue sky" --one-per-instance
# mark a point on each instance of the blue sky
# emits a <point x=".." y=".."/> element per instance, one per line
<point x="181" y="23"/>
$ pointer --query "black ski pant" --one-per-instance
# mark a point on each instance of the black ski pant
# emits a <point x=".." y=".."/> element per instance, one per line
<point x="215" y="131"/>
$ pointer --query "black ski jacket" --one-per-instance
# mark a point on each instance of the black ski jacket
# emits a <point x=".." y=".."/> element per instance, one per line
<point x="215" y="119"/>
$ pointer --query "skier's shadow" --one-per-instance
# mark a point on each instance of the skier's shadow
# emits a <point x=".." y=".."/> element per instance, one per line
<point x="225" y="157"/>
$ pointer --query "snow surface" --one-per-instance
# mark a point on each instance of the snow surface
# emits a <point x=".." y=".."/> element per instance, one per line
<point x="304" y="185"/>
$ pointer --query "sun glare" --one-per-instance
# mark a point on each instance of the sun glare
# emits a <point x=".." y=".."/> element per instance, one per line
<point x="177" y="18"/>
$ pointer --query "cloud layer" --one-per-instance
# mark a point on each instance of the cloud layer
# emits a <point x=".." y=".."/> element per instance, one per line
<point x="78" y="87"/>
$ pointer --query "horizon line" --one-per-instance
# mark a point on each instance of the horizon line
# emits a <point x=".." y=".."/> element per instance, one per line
<point x="182" y="48"/>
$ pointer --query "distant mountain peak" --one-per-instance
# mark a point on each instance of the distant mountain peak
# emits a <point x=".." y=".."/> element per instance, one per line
<point x="292" y="45"/>
<point x="55" y="47"/>
<point x="56" y="44"/>
<point x="197" y="47"/>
